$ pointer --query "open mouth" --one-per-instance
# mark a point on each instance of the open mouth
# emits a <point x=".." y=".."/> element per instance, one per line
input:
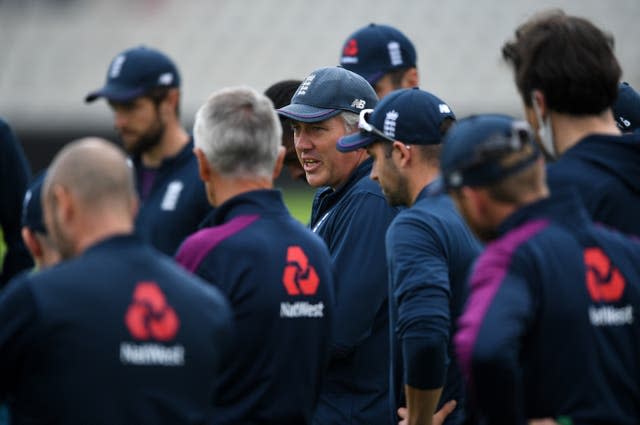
<point x="310" y="165"/>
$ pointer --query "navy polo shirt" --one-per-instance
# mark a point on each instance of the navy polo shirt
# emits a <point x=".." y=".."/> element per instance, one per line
<point x="117" y="335"/>
<point x="278" y="277"/>
<point x="174" y="204"/>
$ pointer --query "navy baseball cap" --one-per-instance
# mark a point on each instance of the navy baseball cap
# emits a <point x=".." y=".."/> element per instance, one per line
<point x="473" y="150"/>
<point x="374" y="50"/>
<point x="134" y="72"/>
<point x="412" y="116"/>
<point x="326" y="92"/>
<point x="32" y="216"/>
<point x="626" y="110"/>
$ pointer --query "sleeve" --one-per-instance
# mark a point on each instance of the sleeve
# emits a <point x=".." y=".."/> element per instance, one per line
<point x="498" y="314"/>
<point x="18" y="317"/>
<point x="14" y="179"/>
<point x="358" y="253"/>
<point x="419" y="272"/>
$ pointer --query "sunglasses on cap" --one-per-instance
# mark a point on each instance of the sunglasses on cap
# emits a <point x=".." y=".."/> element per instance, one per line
<point x="366" y="128"/>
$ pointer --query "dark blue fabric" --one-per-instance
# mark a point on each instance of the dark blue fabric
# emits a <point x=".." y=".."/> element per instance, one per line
<point x="279" y="360"/>
<point x="352" y="221"/>
<point x="176" y="204"/>
<point x="605" y="171"/>
<point x="66" y="331"/>
<point x="14" y="178"/>
<point x="429" y="251"/>
<point x="543" y="348"/>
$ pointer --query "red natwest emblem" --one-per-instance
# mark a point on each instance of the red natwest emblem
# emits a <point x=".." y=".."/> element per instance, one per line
<point x="604" y="281"/>
<point x="351" y="48"/>
<point x="149" y="316"/>
<point x="299" y="276"/>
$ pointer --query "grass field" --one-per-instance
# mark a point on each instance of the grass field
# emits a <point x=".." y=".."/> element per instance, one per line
<point x="298" y="201"/>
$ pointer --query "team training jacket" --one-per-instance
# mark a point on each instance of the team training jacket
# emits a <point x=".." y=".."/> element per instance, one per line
<point x="278" y="277"/>
<point x="429" y="252"/>
<point x="14" y="179"/>
<point x="352" y="221"/>
<point x="176" y="204"/>
<point x="605" y="170"/>
<point x="551" y="328"/>
<point x="119" y="335"/>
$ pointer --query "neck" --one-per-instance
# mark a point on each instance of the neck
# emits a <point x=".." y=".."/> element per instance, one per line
<point x="504" y="210"/>
<point x="172" y="141"/>
<point x="568" y="130"/>
<point x="101" y="227"/>
<point x="420" y="179"/>
<point x="224" y="188"/>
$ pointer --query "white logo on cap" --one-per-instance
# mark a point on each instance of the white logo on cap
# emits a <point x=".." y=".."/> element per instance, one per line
<point x="116" y="66"/>
<point x="305" y="85"/>
<point x="395" y="55"/>
<point x="390" y="123"/>
<point x="444" y="109"/>
<point x="626" y="123"/>
<point x="358" y="103"/>
<point x="165" y="79"/>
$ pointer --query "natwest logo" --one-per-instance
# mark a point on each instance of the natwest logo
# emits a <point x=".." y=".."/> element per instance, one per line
<point x="149" y="316"/>
<point x="299" y="277"/>
<point x="605" y="283"/>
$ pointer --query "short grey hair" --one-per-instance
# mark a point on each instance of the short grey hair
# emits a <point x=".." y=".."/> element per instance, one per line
<point x="239" y="132"/>
<point x="350" y="121"/>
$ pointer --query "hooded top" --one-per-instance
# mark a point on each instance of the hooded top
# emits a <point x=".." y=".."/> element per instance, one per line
<point x="605" y="171"/>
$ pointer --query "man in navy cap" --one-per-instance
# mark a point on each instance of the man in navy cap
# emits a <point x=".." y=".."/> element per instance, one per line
<point x="384" y="56"/>
<point x="429" y="250"/>
<point x="550" y="329"/>
<point x="568" y="102"/>
<point x="143" y="91"/>
<point x="116" y="333"/>
<point x="626" y="110"/>
<point x="350" y="213"/>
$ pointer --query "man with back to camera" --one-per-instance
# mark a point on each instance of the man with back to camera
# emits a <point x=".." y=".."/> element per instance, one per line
<point x="14" y="178"/>
<point x="568" y="103"/>
<point x="429" y="252"/>
<point x="351" y="215"/>
<point x="275" y="272"/>
<point x="549" y="328"/>
<point x="383" y="56"/>
<point x="116" y="333"/>
<point x="143" y="91"/>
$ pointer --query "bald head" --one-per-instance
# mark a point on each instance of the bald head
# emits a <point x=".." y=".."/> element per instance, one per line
<point x="95" y="171"/>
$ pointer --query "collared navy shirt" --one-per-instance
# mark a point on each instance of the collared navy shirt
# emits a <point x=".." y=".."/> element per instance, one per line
<point x="430" y="250"/>
<point x="605" y="172"/>
<point x="551" y="325"/>
<point x="278" y="277"/>
<point x="353" y="220"/>
<point x="117" y="335"/>
<point x="176" y="203"/>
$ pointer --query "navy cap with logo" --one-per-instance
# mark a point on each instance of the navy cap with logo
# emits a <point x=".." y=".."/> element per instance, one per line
<point x="326" y="92"/>
<point x="134" y="72"/>
<point x="375" y="50"/>
<point x="626" y="110"/>
<point x="32" y="216"/>
<point x="412" y="116"/>
<point x="474" y="148"/>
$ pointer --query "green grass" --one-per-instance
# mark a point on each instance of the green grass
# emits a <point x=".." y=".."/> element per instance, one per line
<point x="298" y="201"/>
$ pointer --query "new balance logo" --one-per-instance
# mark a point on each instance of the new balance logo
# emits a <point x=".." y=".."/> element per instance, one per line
<point x="165" y="79"/>
<point x="358" y="103"/>
<point x="444" y="109"/>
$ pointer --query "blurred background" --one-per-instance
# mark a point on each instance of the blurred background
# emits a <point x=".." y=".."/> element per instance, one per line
<point x="52" y="52"/>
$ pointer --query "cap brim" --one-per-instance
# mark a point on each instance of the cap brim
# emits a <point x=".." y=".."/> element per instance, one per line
<point x="116" y="94"/>
<point x="307" y="113"/>
<point x="354" y="142"/>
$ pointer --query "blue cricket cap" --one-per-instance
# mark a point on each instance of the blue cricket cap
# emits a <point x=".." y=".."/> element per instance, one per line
<point x="626" y="110"/>
<point x="375" y="50"/>
<point x="473" y="150"/>
<point x="32" y="216"/>
<point x="412" y="116"/>
<point x="134" y="72"/>
<point x="328" y="91"/>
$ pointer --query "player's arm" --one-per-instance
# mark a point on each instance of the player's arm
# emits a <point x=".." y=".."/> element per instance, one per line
<point x="498" y="314"/>
<point x="358" y="255"/>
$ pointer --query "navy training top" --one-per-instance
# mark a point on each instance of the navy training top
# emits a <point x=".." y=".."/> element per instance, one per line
<point x="278" y="278"/>
<point x="552" y="324"/>
<point x="430" y="250"/>
<point x="353" y="221"/>
<point x="176" y="203"/>
<point x="117" y="335"/>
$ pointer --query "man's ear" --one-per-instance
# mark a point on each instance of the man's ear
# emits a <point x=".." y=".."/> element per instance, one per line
<point x="31" y="242"/>
<point x="277" y="168"/>
<point x="66" y="205"/>
<point x="204" y="168"/>
<point x="411" y="78"/>
<point x="403" y="153"/>
<point x="539" y="101"/>
<point x="170" y="103"/>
